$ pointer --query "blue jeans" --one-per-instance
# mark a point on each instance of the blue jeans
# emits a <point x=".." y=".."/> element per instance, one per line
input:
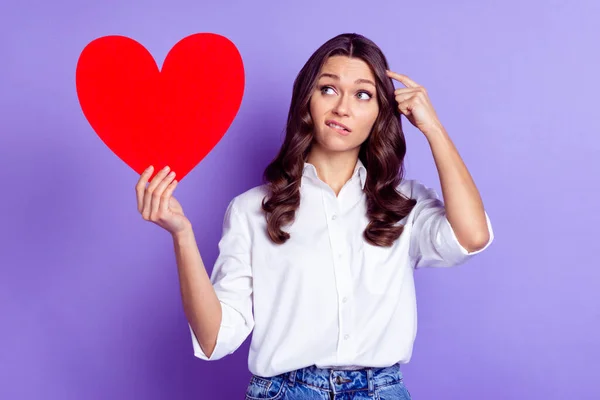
<point x="328" y="384"/>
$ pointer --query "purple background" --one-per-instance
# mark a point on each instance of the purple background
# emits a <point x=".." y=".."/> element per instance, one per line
<point x="89" y="295"/>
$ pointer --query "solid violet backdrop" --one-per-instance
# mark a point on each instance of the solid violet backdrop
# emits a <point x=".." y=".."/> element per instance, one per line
<point x="89" y="293"/>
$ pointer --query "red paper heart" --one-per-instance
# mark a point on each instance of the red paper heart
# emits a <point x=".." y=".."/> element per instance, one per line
<point x="172" y="117"/>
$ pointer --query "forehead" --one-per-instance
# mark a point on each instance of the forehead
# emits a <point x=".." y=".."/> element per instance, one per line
<point x="347" y="68"/>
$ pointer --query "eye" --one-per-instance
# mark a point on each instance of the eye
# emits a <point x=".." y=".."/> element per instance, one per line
<point x="323" y="88"/>
<point x="367" y="93"/>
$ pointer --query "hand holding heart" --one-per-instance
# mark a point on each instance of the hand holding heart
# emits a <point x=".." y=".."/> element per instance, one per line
<point x="414" y="103"/>
<point x="170" y="117"/>
<point x="156" y="202"/>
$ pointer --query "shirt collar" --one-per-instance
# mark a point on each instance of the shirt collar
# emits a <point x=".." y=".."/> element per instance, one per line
<point x="360" y="170"/>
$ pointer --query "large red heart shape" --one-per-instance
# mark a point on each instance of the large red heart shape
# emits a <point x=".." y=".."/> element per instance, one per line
<point x="174" y="116"/>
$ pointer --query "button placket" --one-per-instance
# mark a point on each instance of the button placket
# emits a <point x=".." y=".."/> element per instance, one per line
<point x="342" y="275"/>
<point x="341" y="279"/>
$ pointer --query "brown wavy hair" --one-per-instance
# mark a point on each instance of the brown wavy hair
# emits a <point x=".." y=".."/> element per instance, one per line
<point x="382" y="153"/>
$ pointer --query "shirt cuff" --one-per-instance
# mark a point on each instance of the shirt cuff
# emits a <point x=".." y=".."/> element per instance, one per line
<point x="458" y="251"/>
<point x="225" y="337"/>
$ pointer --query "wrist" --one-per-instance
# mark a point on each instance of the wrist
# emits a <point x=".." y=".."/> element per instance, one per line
<point x="435" y="133"/>
<point x="184" y="234"/>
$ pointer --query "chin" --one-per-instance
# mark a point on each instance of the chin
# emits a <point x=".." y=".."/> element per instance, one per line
<point x="335" y="145"/>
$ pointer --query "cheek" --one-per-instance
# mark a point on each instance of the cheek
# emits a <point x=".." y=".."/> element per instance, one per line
<point x="368" y="118"/>
<point x="315" y="110"/>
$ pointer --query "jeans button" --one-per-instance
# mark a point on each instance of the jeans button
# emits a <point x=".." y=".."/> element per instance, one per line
<point x="338" y="380"/>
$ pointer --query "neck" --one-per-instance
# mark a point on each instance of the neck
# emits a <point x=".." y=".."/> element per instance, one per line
<point x="333" y="168"/>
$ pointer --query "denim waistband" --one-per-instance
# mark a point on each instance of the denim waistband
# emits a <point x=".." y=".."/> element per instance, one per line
<point x="338" y="380"/>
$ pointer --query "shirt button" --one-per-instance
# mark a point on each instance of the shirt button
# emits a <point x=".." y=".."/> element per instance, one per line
<point x="345" y="299"/>
<point x="334" y="217"/>
<point x="346" y="337"/>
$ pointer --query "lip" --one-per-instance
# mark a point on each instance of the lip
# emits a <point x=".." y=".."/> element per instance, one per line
<point x="337" y="123"/>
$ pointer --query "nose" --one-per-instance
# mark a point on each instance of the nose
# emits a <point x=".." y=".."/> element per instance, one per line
<point x="341" y="107"/>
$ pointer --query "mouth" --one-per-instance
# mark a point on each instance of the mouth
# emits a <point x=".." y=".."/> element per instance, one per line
<point x="336" y="126"/>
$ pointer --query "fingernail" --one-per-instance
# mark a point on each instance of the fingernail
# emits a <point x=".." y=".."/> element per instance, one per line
<point x="149" y="168"/>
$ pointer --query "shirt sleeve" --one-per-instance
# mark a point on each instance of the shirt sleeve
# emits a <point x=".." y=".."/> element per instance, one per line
<point x="232" y="280"/>
<point x="433" y="242"/>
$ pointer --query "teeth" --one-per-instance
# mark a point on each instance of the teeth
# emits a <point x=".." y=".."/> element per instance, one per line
<point x="337" y="126"/>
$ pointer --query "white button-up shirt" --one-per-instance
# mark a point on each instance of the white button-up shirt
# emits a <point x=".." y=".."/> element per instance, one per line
<point x="325" y="297"/>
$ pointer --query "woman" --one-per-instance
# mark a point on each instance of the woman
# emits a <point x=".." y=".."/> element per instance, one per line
<point x="318" y="261"/>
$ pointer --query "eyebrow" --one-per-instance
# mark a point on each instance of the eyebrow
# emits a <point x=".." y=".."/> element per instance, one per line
<point x="334" y="76"/>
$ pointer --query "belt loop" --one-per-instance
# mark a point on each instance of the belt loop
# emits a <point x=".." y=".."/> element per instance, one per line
<point x="370" y="381"/>
<point x="292" y="377"/>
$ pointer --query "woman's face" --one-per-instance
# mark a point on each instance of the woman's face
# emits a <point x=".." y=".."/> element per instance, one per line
<point x="345" y="93"/>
